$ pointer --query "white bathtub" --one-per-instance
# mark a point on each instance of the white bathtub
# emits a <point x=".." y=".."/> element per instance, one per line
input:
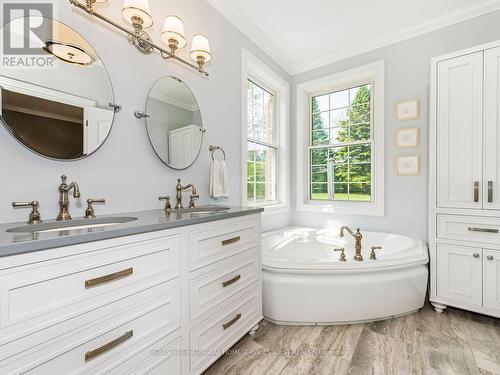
<point x="305" y="283"/>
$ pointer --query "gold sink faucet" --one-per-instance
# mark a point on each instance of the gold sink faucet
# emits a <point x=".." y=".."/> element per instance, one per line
<point x="179" y="189"/>
<point x="64" y="188"/>
<point x="358" y="237"/>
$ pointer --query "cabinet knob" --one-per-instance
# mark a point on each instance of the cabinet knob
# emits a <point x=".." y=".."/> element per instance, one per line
<point x="476" y="255"/>
<point x="490" y="257"/>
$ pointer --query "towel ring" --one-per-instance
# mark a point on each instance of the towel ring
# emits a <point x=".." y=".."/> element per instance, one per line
<point x="212" y="149"/>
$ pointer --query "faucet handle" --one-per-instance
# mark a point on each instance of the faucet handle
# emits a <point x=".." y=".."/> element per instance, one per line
<point x="34" y="217"/>
<point x="89" y="212"/>
<point x="191" y="200"/>
<point x="168" y="205"/>
<point x="342" y="254"/>
<point x="372" y="254"/>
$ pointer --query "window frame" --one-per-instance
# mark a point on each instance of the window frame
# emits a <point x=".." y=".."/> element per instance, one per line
<point x="347" y="144"/>
<point x="375" y="75"/>
<point x="274" y="145"/>
<point x="255" y="70"/>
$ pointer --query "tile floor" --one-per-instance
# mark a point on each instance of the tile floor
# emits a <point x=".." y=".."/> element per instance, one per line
<point x="455" y="343"/>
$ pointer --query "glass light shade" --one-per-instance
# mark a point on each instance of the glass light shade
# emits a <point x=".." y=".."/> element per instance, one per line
<point x="137" y="8"/>
<point x="69" y="53"/>
<point x="200" y="48"/>
<point x="173" y="28"/>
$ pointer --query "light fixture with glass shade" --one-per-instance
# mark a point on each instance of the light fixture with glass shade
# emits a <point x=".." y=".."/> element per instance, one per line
<point x="200" y="50"/>
<point x="138" y="14"/>
<point x="173" y="33"/>
<point x="69" y="53"/>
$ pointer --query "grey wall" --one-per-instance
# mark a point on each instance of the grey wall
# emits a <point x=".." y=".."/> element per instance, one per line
<point x="407" y="76"/>
<point x="126" y="170"/>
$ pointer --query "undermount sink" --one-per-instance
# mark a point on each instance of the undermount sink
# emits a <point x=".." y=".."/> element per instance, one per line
<point x="77" y="224"/>
<point x="203" y="210"/>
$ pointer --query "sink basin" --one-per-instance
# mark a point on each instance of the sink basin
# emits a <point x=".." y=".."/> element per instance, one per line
<point x="203" y="210"/>
<point x="77" y="224"/>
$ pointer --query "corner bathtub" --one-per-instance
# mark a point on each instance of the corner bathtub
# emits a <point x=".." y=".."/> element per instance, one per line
<point x="305" y="283"/>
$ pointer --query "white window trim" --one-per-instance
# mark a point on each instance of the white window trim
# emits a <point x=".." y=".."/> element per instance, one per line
<point x="252" y="67"/>
<point x="375" y="73"/>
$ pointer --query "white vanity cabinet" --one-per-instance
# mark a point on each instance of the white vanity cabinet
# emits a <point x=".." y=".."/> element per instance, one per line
<point x="464" y="180"/>
<point x="164" y="302"/>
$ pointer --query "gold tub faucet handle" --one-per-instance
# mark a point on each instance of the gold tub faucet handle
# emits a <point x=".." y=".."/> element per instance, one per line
<point x="373" y="256"/>
<point x="168" y="205"/>
<point x="342" y="254"/>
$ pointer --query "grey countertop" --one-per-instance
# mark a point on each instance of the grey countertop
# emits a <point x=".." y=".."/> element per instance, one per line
<point x="147" y="221"/>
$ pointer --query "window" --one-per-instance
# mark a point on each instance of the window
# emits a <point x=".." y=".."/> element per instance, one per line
<point x="341" y="145"/>
<point x="340" y="139"/>
<point x="262" y="144"/>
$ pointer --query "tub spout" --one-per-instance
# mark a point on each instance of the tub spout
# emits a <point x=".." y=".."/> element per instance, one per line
<point x="358" y="237"/>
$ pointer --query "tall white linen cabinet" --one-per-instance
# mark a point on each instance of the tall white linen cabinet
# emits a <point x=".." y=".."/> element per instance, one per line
<point x="464" y="180"/>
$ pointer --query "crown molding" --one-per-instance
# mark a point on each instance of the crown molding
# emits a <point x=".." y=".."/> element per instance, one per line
<point x="452" y="18"/>
<point x="173" y="101"/>
<point x="236" y="17"/>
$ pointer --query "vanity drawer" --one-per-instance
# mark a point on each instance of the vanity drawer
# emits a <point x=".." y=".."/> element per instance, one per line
<point x="230" y="277"/>
<point x="469" y="228"/>
<point x="218" y="333"/>
<point x="52" y="292"/>
<point x="220" y="240"/>
<point x="159" y="358"/>
<point x="107" y="342"/>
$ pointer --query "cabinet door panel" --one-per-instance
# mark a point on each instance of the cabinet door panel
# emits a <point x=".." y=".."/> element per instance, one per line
<point x="491" y="279"/>
<point x="491" y="187"/>
<point x="459" y="273"/>
<point x="459" y="131"/>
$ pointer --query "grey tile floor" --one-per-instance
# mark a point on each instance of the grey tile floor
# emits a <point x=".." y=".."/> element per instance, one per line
<point x="455" y="343"/>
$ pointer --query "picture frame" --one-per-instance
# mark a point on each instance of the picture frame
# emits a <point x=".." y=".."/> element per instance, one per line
<point x="408" y="110"/>
<point x="408" y="165"/>
<point x="407" y="137"/>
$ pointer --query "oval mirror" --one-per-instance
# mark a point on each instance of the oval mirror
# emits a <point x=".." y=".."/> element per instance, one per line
<point x="56" y="95"/>
<point x="174" y="123"/>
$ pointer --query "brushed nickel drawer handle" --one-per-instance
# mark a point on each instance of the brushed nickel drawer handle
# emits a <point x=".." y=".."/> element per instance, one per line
<point x="108" y="278"/>
<point x="490" y="191"/>
<point x="232" y="321"/>
<point x="476" y="191"/>
<point x="483" y="230"/>
<point x="232" y="281"/>
<point x="90" y="355"/>
<point x="230" y="241"/>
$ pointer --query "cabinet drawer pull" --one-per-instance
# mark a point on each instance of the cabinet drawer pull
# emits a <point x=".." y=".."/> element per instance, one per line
<point x="476" y="191"/>
<point x="490" y="257"/>
<point x="90" y="355"/>
<point x="232" y="281"/>
<point x="483" y="230"/>
<point x="490" y="191"/>
<point x="230" y="241"/>
<point x="476" y="255"/>
<point x="232" y="321"/>
<point x="108" y="278"/>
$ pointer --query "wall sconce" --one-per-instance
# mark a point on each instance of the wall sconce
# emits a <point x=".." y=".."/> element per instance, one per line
<point x="173" y="33"/>
<point x="138" y="14"/>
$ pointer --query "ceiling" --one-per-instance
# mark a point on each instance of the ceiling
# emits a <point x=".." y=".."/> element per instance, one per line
<point x="303" y="35"/>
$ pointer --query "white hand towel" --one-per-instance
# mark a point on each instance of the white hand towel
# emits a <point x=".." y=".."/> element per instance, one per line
<point x="219" y="180"/>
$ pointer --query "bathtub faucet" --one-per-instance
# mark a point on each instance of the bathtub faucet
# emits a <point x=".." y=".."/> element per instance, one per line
<point x="358" y="237"/>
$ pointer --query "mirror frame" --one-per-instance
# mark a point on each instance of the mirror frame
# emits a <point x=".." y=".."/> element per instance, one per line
<point x="112" y="103"/>
<point x="202" y="122"/>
